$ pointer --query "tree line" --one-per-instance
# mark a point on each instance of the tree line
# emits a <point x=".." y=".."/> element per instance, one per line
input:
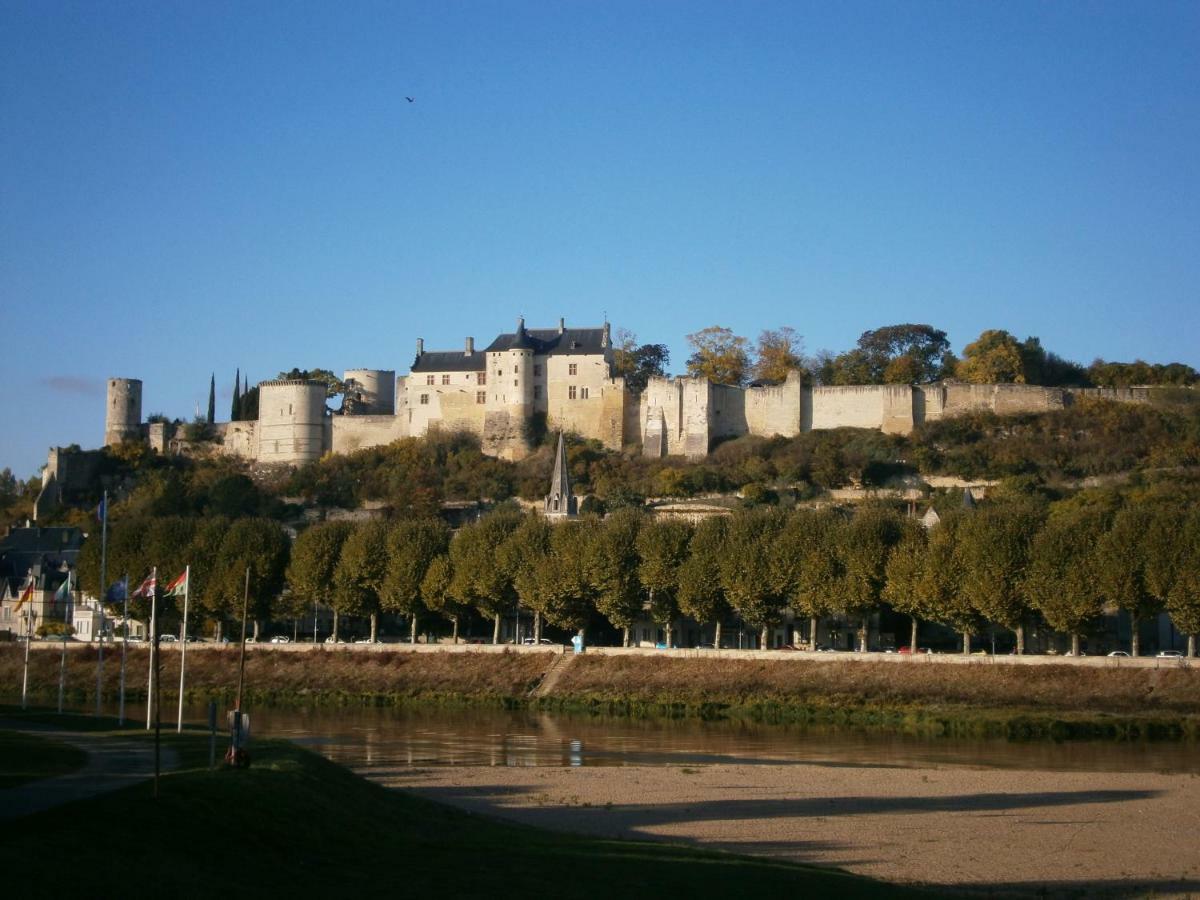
<point x="1009" y="563"/>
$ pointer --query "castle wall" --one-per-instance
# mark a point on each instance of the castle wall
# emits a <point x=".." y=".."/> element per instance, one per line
<point x="586" y="401"/>
<point x="857" y="406"/>
<point x="775" y="409"/>
<point x="292" y="425"/>
<point x="449" y="401"/>
<point x="352" y="433"/>
<point x="238" y="439"/>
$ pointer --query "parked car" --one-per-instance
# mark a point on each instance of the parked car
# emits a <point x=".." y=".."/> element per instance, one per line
<point x="908" y="651"/>
<point x="530" y="641"/>
<point x="1169" y="654"/>
<point x="1120" y="653"/>
<point x="281" y="639"/>
<point x="367" y="640"/>
<point x="252" y="640"/>
<point x="332" y="640"/>
<point x="167" y="639"/>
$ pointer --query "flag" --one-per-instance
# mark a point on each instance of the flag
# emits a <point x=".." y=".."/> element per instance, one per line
<point x="178" y="587"/>
<point x="146" y="589"/>
<point x="116" y="591"/>
<point x="26" y="596"/>
<point x="63" y="593"/>
<point x="102" y="509"/>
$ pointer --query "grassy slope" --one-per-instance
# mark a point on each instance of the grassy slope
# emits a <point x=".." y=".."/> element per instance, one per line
<point x="297" y="824"/>
<point x="27" y="757"/>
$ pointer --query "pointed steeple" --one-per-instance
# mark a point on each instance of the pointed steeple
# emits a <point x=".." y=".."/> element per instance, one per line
<point x="560" y="502"/>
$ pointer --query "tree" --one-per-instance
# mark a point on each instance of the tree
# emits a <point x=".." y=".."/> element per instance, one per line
<point x="235" y="409"/>
<point x="905" y="354"/>
<point x="993" y="554"/>
<point x="1062" y="565"/>
<point x="480" y="579"/>
<point x="333" y="384"/>
<point x="1183" y="599"/>
<point x="523" y="554"/>
<point x="638" y="364"/>
<point x="941" y="579"/>
<point x="904" y="575"/>
<point x="718" y="355"/>
<point x="205" y="582"/>
<point x="1121" y="568"/>
<point x="261" y="546"/>
<point x="779" y="352"/>
<point x="358" y="580"/>
<point x="611" y="568"/>
<point x="662" y="547"/>
<point x="313" y="562"/>
<point x="995" y="358"/>
<point x="249" y="402"/>
<point x="435" y="592"/>
<point x="563" y="594"/>
<point x="806" y="563"/>
<point x="745" y="565"/>
<point x="212" y="398"/>
<point x="701" y="596"/>
<point x="863" y="549"/>
<point x="411" y="547"/>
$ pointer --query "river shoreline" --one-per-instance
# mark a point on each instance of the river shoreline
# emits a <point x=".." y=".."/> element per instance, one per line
<point x="1058" y="702"/>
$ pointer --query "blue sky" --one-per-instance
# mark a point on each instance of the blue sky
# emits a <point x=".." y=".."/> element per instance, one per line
<point x="188" y="188"/>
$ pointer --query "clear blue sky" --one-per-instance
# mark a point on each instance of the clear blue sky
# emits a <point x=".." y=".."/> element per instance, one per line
<point x="191" y="187"/>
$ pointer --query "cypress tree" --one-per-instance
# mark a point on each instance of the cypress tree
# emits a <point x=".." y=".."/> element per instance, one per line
<point x="212" y="398"/>
<point x="235" y="413"/>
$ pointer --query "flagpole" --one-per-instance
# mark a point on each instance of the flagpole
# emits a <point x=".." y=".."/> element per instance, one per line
<point x="103" y="589"/>
<point x="28" y="641"/>
<point x="124" y="648"/>
<point x="187" y="586"/>
<point x="62" y="664"/>
<point x="153" y="644"/>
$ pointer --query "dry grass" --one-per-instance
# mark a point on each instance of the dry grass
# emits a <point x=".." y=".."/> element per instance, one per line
<point x="281" y="676"/>
<point x="1062" y="688"/>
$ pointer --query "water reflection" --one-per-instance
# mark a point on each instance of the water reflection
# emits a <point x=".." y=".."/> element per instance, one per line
<point x="387" y="738"/>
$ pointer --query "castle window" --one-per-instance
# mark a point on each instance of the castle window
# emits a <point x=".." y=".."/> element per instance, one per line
<point x="537" y="392"/>
<point x="424" y="399"/>
<point x="537" y="369"/>
<point x="445" y="379"/>
<point x="583" y="393"/>
<point x="481" y="396"/>
<point x="429" y="379"/>
<point x="572" y="369"/>
<point x="516" y="370"/>
<point x="516" y="383"/>
<point x="289" y="409"/>
<point x="481" y="378"/>
<point x="571" y="392"/>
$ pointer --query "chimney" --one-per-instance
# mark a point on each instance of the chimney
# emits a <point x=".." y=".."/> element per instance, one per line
<point x="520" y="324"/>
<point x="420" y="346"/>
<point x="470" y="346"/>
<point x="604" y="341"/>
<point x="562" y="325"/>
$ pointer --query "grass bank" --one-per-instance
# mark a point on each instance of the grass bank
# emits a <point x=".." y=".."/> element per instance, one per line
<point x="1018" y="702"/>
<point x="27" y="757"/>
<point x="296" y="824"/>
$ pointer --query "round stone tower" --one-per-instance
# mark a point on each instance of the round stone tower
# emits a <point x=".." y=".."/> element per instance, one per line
<point x="375" y="389"/>
<point x="291" y="421"/>
<point x="123" y="412"/>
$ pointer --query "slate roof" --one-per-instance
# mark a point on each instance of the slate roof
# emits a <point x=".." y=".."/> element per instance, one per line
<point x="449" y="361"/>
<point x="550" y="342"/>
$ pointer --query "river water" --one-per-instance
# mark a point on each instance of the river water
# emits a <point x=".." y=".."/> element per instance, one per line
<point x="383" y="738"/>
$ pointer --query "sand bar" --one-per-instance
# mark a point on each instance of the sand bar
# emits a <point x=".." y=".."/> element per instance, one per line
<point x="1003" y="830"/>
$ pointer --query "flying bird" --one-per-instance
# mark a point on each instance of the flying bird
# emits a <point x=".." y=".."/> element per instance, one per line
<point x="411" y="99"/>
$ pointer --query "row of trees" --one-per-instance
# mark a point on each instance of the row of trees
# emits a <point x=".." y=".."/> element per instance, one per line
<point x="1008" y="563"/>
<point x="911" y="354"/>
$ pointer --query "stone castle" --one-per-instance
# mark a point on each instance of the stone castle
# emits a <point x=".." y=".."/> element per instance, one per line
<point x="566" y="376"/>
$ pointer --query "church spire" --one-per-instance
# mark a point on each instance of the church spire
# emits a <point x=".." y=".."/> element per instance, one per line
<point x="560" y="502"/>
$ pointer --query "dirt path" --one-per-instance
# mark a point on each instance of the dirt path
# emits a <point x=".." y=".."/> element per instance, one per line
<point x="1015" y="832"/>
<point x="112" y="763"/>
